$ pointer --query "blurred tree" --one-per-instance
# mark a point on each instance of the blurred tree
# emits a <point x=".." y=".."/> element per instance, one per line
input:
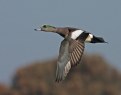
<point x="94" y="76"/>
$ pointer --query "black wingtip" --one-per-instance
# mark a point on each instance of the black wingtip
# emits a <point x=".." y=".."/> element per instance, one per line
<point x="57" y="81"/>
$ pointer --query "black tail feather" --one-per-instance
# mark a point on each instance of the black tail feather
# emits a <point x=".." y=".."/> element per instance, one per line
<point x="98" y="40"/>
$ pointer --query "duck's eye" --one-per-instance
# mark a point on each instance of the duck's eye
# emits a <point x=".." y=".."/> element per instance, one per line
<point x="44" y="26"/>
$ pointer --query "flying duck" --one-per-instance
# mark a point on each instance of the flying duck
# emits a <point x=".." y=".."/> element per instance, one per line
<point x="71" y="48"/>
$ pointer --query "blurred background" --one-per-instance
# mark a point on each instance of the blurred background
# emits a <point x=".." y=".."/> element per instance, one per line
<point x="23" y="50"/>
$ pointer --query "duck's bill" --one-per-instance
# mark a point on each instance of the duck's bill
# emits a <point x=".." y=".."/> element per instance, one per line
<point x="38" y="29"/>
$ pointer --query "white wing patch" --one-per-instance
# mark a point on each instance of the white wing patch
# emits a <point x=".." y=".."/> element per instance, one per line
<point x="76" y="34"/>
<point x="89" y="38"/>
<point x="67" y="68"/>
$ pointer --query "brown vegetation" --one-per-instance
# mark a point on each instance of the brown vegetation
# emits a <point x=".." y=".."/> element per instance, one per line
<point x="93" y="76"/>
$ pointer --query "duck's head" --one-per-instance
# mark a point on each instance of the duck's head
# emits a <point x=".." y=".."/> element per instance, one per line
<point x="46" y="28"/>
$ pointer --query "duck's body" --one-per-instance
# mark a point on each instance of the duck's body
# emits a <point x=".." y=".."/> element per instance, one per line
<point x="72" y="47"/>
<point x="76" y="34"/>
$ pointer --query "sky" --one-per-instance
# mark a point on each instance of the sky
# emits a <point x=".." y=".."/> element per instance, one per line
<point x="20" y="44"/>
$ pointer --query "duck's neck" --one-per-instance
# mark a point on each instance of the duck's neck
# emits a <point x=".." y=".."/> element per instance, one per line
<point x="62" y="31"/>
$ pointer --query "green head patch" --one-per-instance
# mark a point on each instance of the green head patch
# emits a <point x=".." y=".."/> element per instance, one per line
<point x="47" y="26"/>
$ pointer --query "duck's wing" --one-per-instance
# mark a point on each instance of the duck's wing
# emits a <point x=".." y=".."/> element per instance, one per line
<point x="76" y="51"/>
<point x="69" y="55"/>
<point x="63" y="60"/>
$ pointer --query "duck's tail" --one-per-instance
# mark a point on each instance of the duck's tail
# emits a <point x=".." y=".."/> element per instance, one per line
<point x="98" y="40"/>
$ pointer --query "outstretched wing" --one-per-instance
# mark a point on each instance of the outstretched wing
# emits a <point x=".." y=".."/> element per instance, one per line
<point x="69" y="55"/>
<point x="63" y="63"/>
<point x="76" y="51"/>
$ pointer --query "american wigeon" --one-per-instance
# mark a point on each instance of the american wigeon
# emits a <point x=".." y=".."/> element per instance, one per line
<point x="71" y="48"/>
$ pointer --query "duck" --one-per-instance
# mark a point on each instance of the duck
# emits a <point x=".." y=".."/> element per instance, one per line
<point x="71" y="48"/>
